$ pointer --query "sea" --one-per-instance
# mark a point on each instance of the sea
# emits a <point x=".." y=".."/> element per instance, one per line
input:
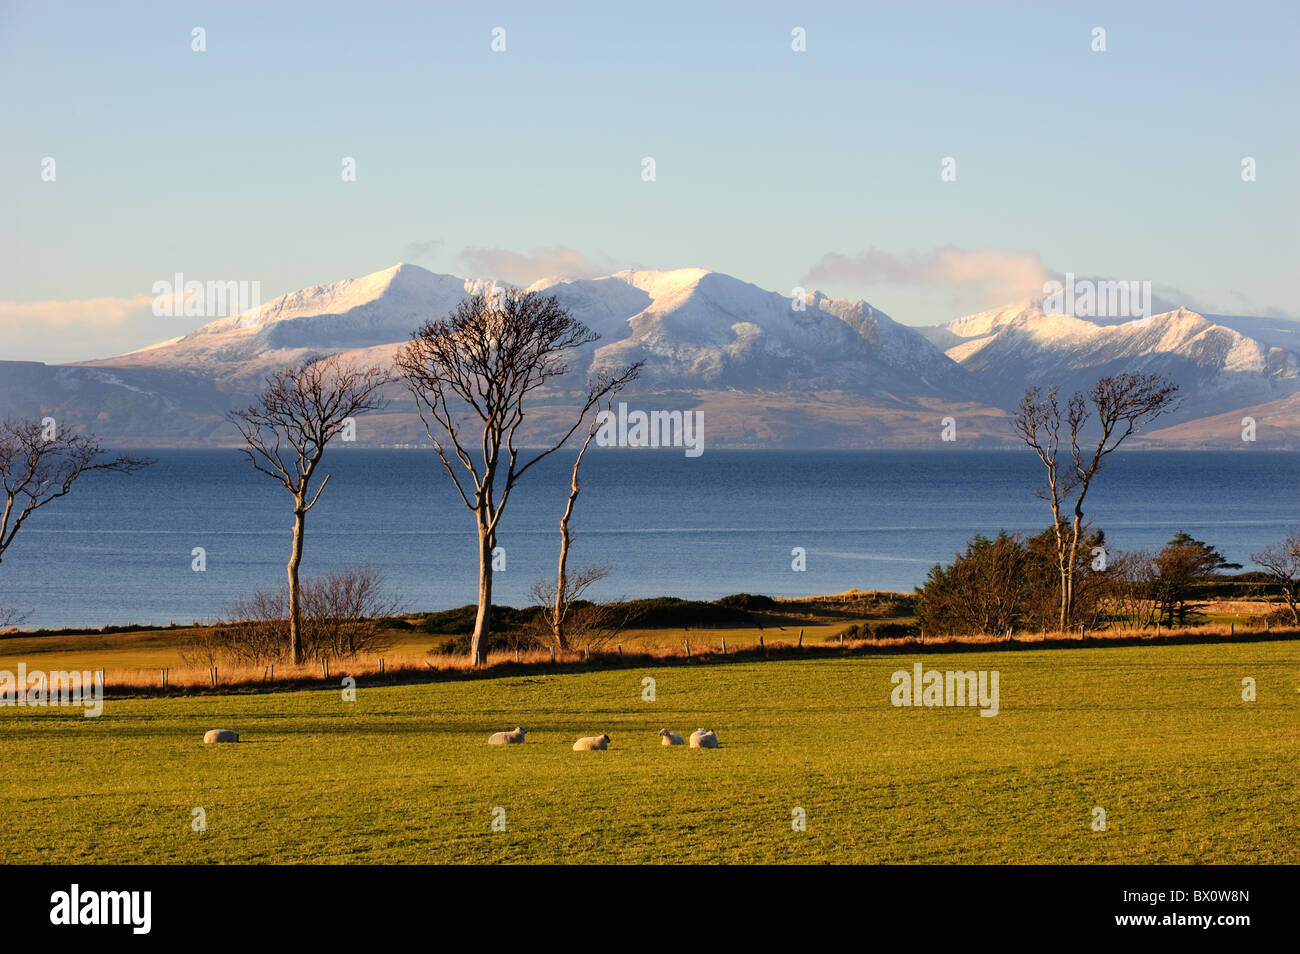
<point x="124" y="549"/>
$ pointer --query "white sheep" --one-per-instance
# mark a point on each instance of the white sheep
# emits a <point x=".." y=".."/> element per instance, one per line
<point x="671" y="738"/>
<point x="592" y="743"/>
<point x="704" y="739"/>
<point x="507" y="738"/>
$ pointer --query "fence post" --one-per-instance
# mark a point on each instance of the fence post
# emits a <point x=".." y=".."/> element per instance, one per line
<point x="762" y="647"/>
<point x="687" y="645"/>
<point x="724" y="645"/>
<point x="586" y="653"/>
<point x="801" y="639"/>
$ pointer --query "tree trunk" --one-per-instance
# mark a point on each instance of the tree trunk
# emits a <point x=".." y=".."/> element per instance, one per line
<point x="562" y="582"/>
<point x="1065" y="589"/>
<point x="483" y="622"/>
<point x="295" y="596"/>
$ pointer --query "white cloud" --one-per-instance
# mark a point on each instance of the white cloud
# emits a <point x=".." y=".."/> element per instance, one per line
<point x="62" y="331"/>
<point x="520" y="268"/>
<point x="993" y="276"/>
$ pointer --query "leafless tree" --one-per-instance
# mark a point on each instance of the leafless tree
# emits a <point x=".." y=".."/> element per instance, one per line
<point x="346" y="612"/>
<point x="11" y="616"/>
<point x="483" y="361"/>
<point x="39" y="464"/>
<point x="557" y="604"/>
<point x="299" y="411"/>
<point x="1132" y="594"/>
<point x="1281" y="561"/>
<point x="255" y="632"/>
<point x="1124" y="403"/>
<point x="570" y="589"/>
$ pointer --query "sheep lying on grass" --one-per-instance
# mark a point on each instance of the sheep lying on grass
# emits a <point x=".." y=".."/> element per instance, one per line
<point x="507" y="738"/>
<point x="671" y="738"/>
<point x="592" y="743"/>
<point x="220" y="735"/>
<point x="704" y="739"/>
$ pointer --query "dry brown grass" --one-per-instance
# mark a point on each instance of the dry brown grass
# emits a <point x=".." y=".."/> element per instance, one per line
<point x="695" y="651"/>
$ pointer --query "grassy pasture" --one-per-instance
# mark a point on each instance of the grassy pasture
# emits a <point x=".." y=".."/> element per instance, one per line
<point x="1157" y="735"/>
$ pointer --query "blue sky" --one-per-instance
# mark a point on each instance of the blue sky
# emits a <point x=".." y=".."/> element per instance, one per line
<point x="225" y="164"/>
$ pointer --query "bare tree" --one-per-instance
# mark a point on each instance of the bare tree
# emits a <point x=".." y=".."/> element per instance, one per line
<point x="569" y="590"/>
<point x="1124" y="403"/>
<point x="1281" y="561"/>
<point x="299" y="411"/>
<point x="38" y="465"/>
<point x="1132" y="594"/>
<point x="347" y="611"/>
<point x="557" y="604"/>
<point x="11" y="616"/>
<point x="483" y="361"/>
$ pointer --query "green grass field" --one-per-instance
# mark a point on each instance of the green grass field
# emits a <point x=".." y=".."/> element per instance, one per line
<point x="1158" y="736"/>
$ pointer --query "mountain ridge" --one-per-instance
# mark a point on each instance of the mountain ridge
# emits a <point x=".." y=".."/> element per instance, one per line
<point x="833" y="372"/>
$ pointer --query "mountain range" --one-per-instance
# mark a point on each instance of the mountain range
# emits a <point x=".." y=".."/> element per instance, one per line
<point x="765" y="370"/>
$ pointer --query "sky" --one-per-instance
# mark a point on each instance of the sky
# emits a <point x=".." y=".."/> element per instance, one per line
<point x="820" y="168"/>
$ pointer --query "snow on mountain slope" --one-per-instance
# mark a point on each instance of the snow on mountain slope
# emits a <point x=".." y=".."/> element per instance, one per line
<point x="696" y="331"/>
<point x="704" y="328"/>
<point x="380" y="308"/>
<point x="691" y="327"/>
<point x="602" y="304"/>
<point x="1217" y="366"/>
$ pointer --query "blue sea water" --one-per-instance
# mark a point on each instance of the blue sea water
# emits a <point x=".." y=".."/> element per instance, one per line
<point x="118" y="549"/>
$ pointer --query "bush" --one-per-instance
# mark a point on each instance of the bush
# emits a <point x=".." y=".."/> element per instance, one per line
<point x="747" y="602"/>
<point x="343" y="614"/>
<point x="669" y="612"/>
<point x="460" y="621"/>
<point x="522" y="638"/>
<point x="894" y="631"/>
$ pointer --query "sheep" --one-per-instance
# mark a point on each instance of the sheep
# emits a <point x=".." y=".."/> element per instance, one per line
<point x="220" y="735"/>
<point x="671" y="738"/>
<point x="592" y="743"/>
<point x="507" y="738"/>
<point x="704" y="739"/>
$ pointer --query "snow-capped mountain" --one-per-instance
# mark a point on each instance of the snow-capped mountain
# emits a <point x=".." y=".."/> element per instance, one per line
<point x="767" y="371"/>
<point x="1217" y="367"/>
<point x="691" y="328"/>
<point x="377" y="309"/>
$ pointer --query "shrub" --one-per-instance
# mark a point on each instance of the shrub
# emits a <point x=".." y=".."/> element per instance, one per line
<point x="747" y="602"/>
<point x="894" y="631"/>
<point x="344" y="614"/>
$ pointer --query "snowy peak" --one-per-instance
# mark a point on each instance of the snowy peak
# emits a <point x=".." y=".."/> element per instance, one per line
<point x="1215" y="364"/>
<point x="401" y="281"/>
